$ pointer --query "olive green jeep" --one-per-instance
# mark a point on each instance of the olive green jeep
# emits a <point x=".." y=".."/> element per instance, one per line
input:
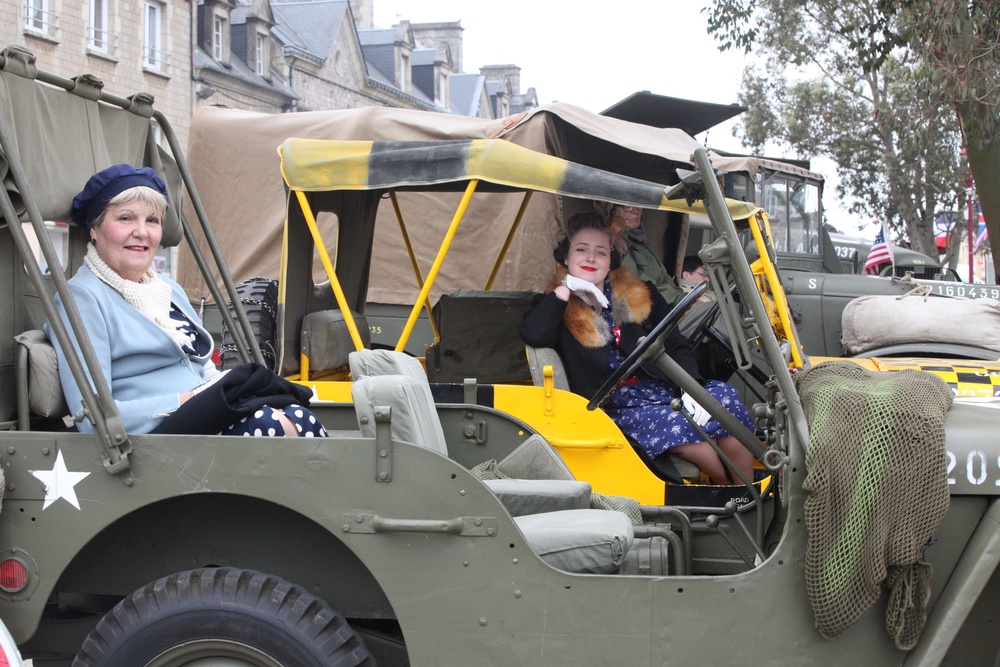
<point x="382" y="544"/>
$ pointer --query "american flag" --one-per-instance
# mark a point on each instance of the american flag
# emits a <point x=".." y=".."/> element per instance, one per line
<point x="880" y="253"/>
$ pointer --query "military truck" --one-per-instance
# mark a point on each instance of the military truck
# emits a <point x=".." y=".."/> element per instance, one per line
<point x="853" y="251"/>
<point x="821" y="270"/>
<point x="378" y="543"/>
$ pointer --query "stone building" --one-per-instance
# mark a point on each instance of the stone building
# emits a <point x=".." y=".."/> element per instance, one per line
<point x="260" y="55"/>
<point x="132" y="46"/>
<point x="327" y="54"/>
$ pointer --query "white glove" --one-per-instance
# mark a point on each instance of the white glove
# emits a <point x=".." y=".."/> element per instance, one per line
<point x="698" y="414"/>
<point x="587" y="291"/>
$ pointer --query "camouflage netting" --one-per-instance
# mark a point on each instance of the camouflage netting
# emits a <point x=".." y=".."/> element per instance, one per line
<point x="488" y="470"/>
<point x="877" y="491"/>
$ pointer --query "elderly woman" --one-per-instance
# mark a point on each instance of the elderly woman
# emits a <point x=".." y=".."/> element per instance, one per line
<point x="152" y="349"/>
<point x="594" y="317"/>
<point x="625" y="223"/>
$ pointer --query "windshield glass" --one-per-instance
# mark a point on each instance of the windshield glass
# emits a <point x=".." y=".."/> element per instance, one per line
<point x="794" y="209"/>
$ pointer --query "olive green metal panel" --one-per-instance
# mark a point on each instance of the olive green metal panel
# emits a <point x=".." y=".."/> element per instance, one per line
<point x="455" y="596"/>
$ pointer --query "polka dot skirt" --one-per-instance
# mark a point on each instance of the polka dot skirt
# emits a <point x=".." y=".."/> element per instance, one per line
<point x="264" y="422"/>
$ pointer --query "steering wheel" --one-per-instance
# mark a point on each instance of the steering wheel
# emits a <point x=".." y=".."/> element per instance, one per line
<point x="707" y="332"/>
<point x="702" y="322"/>
<point x="634" y="360"/>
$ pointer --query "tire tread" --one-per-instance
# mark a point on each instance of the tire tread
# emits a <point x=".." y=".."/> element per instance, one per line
<point x="259" y="297"/>
<point x="297" y="611"/>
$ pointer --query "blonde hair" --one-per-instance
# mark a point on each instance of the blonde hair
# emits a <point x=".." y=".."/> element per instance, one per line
<point x="139" y="193"/>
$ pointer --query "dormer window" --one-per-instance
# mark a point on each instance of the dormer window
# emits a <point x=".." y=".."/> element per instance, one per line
<point x="441" y="96"/>
<point x="218" y="38"/>
<point x="260" y="54"/>
<point x="404" y="72"/>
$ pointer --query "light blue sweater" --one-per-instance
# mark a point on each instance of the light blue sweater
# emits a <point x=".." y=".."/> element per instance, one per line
<point x="144" y="367"/>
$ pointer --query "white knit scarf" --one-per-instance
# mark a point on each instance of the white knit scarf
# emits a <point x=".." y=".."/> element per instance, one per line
<point x="150" y="296"/>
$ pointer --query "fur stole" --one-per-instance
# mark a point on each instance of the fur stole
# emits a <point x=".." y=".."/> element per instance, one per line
<point x="630" y="303"/>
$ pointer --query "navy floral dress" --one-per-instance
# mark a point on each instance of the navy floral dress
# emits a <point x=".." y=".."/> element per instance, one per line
<point x="640" y="406"/>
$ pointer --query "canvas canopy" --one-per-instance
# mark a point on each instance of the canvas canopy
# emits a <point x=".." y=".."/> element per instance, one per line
<point x="310" y="165"/>
<point x="233" y="159"/>
<point x="349" y="179"/>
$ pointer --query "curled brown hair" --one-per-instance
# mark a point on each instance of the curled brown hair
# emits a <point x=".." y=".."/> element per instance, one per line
<point x="577" y="224"/>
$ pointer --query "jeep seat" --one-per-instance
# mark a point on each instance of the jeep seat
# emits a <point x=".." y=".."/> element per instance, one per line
<point x="539" y="357"/>
<point x="39" y="391"/>
<point x="533" y="459"/>
<point x="576" y="540"/>
<point x="402" y="384"/>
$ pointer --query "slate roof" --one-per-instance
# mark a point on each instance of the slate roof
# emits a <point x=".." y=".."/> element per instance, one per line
<point x="309" y="29"/>
<point x="423" y="57"/>
<point x="238" y="70"/>
<point x="377" y="36"/>
<point x="314" y="25"/>
<point x="466" y="93"/>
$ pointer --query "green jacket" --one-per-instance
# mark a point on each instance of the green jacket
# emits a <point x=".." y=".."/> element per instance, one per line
<point x="643" y="262"/>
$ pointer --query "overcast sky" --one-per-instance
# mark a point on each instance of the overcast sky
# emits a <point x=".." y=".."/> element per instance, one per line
<point x="594" y="55"/>
<point x="590" y="57"/>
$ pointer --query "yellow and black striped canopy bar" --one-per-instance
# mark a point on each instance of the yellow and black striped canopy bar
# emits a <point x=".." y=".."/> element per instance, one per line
<point x="314" y="165"/>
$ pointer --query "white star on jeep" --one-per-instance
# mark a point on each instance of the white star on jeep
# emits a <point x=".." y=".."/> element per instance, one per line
<point x="59" y="483"/>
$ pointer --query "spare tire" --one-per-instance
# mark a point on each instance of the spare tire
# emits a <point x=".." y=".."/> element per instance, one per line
<point x="259" y="297"/>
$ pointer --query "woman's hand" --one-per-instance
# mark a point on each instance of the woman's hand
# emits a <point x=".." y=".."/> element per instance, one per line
<point x="586" y="290"/>
<point x="698" y="414"/>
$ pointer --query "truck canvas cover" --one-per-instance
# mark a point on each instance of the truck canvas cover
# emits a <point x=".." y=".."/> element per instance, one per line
<point x="233" y="158"/>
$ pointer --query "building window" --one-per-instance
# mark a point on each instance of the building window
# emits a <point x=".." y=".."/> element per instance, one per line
<point x="99" y="25"/>
<point x="154" y="55"/>
<point x="442" y="90"/>
<point x="260" y="54"/>
<point x="38" y="18"/>
<point x="100" y="38"/>
<point x="404" y="72"/>
<point x="218" y="35"/>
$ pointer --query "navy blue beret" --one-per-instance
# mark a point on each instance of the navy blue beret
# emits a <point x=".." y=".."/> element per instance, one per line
<point x="107" y="184"/>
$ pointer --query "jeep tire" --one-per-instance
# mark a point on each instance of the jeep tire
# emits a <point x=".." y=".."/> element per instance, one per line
<point x="237" y="617"/>
<point x="259" y="297"/>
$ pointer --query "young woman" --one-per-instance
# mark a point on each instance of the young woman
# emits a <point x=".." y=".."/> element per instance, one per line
<point x="594" y="317"/>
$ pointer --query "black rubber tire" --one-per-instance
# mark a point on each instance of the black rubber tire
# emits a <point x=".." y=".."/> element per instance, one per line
<point x="259" y="297"/>
<point x="242" y="616"/>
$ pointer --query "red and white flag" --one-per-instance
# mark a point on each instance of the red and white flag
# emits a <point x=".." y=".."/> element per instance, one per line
<point x="880" y="253"/>
<point x="979" y="239"/>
